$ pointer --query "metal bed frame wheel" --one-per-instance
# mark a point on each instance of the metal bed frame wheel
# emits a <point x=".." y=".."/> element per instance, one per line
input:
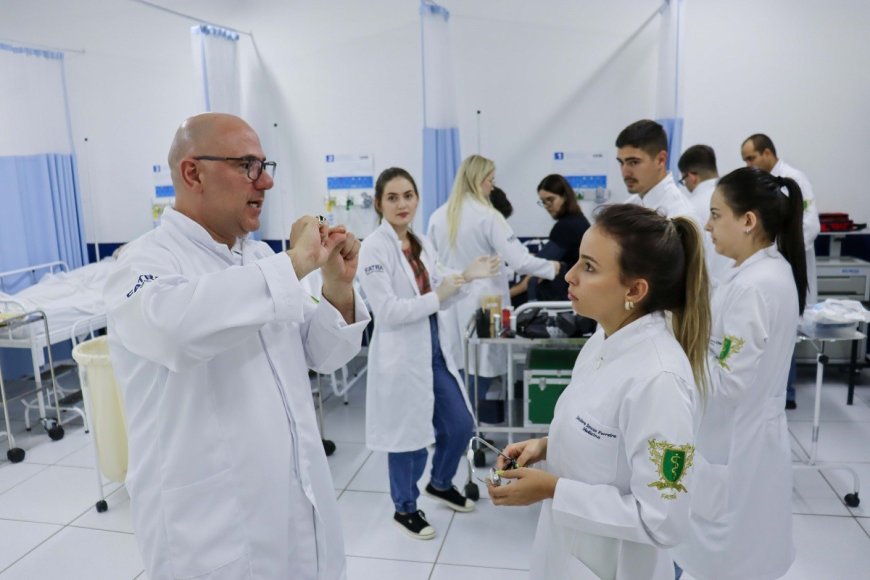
<point x="13" y="454"/>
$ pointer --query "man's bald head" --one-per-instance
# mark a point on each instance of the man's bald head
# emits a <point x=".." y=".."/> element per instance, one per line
<point x="198" y="133"/>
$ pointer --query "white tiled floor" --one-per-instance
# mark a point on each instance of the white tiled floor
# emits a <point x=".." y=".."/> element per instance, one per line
<point x="49" y="528"/>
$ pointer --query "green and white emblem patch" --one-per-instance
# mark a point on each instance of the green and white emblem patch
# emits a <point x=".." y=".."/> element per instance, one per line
<point x="730" y="345"/>
<point x="672" y="462"/>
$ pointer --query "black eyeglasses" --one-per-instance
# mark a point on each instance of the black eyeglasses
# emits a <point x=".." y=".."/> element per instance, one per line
<point x="546" y="202"/>
<point x="253" y="165"/>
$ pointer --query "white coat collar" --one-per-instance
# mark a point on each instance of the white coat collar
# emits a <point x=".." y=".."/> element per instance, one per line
<point x="623" y="340"/>
<point x="770" y="251"/>
<point x="778" y="168"/>
<point x="387" y="230"/>
<point x="176" y="221"/>
<point x="657" y="196"/>
<point x="705" y="187"/>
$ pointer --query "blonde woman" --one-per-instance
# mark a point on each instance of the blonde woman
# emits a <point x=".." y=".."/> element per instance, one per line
<point x="463" y="229"/>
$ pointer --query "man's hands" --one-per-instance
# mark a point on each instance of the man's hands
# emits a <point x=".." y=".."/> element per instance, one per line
<point x="335" y="251"/>
<point x="311" y="244"/>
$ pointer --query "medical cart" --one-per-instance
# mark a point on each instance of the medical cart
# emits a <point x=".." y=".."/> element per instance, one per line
<point x="549" y="362"/>
<point x="52" y="425"/>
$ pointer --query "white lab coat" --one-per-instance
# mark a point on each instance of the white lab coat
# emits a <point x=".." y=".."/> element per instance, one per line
<point x="482" y="231"/>
<point x="812" y="226"/>
<point x="211" y="346"/>
<point x="606" y="520"/>
<point x="717" y="264"/>
<point x="399" y="380"/>
<point x="741" y="513"/>
<point x="667" y="199"/>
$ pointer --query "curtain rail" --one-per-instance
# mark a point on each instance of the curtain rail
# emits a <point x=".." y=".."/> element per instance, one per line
<point x="189" y="17"/>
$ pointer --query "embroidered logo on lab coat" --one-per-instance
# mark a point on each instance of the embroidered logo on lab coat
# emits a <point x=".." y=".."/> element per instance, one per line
<point x="730" y="345"/>
<point x="672" y="463"/>
<point x="141" y="282"/>
<point x="374" y="269"/>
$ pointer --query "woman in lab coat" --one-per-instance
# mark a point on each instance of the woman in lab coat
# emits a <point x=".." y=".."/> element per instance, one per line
<point x="413" y="393"/>
<point x="466" y="227"/>
<point x="742" y="522"/>
<point x="619" y="455"/>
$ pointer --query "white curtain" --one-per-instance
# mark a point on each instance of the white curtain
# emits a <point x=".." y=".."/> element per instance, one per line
<point x="440" y="119"/>
<point x="439" y="100"/>
<point x="216" y="62"/>
<point x="33" y="107"/>
<point x="669" y="99"/>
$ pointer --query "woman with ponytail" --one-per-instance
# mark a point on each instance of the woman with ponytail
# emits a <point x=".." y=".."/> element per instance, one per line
<point x="741" y="521"/>
<point x="620" y="448"/>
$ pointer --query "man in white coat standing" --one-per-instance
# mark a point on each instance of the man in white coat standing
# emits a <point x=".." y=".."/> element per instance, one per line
<point x="642" y="153"/>
<point x="758" y="151"/>
<point x="699" y="174"/>
<point x="211" y="335"/>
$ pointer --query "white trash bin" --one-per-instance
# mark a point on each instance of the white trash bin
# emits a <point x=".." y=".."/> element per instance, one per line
<point x="105" y="410"/>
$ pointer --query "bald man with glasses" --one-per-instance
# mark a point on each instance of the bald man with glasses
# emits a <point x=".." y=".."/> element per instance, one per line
<point x="211" y="335"/>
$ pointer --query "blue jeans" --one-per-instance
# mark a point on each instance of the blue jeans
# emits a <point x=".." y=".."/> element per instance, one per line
<point x="453" y="428"/>
<point x="789" y="385"/>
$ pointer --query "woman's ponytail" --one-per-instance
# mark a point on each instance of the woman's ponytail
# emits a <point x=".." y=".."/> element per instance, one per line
<point x="791" y="238"/>
<point x="691" y="323"/>
<point x="669" y="255"/>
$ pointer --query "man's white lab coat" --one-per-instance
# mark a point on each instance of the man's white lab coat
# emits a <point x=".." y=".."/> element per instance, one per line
<point x="211" y="348"/>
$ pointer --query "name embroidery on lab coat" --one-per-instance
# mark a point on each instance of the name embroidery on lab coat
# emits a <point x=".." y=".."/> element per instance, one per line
<point x="672" y="462"/>
<point x="374" y="269"/>
<point x="592" y="431"/>
<point x="730" y="345"/>
<point x="141" y="282"/>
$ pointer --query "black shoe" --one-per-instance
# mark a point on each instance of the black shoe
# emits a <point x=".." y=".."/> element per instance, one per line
<point x="789" y="405"/>
<point x="451" y="498"/>
<point x="415" y="525"/>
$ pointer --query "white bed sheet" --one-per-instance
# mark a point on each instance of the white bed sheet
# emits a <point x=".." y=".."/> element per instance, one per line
<point x="65" y="297"/>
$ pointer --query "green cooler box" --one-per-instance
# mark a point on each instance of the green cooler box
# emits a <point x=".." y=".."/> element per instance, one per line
<point x="547" y="373"/>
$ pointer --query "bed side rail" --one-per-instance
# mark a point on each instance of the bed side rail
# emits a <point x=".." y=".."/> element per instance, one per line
<point x="52" y="267"/>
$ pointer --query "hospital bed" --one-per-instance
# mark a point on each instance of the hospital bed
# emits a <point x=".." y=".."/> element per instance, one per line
<point x="60" y="305"/>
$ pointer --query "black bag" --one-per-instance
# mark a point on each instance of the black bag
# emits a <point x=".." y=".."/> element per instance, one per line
<point x="481" y="321"/>
<point x="574" y="325"/>
<point x="532" y="323"/>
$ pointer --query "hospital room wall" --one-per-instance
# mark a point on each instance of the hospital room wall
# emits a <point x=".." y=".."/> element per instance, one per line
<point x="127" y="92"/>
<point x="568" y="76"/>
<point x="344" y="77"/>
<point x="789" y="70"/>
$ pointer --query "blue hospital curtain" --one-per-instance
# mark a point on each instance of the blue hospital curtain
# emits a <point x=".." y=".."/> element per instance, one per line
<point x="440" y="124"/>
<point x="669" y="100"/>
<point x="42" y="217"/>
